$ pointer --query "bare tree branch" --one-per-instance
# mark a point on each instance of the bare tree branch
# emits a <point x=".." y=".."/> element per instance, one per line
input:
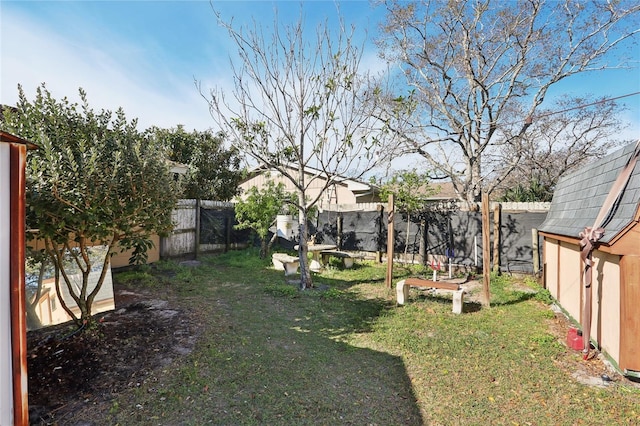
<point x="469" y="65"/>
<point x="301" y="101"/>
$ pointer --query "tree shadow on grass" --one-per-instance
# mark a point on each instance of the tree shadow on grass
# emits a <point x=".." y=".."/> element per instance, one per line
<point x="513" y="298"/>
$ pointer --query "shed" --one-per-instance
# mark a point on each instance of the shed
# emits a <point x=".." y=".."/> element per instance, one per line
<point x="13" y="331"/>
<point x="577" y="202"/>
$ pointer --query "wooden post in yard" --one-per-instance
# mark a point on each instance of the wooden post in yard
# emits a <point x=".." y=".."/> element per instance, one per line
<point x="196" y="248"/>
<point x="379" y="235"/>
<point x="422" y="250"/>
<point x="497" y="237"/>
<point x="486" y="259"/>
<point x="227" y="229"/>
<point x="339" y="230"/>
<point x="390" y="242"/>
<point x="536" y="251"/>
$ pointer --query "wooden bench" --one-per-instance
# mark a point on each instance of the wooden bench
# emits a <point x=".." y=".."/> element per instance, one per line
<point x="284" y="262"/>
<point x="402" y="291"/>
<point x="346" y="258"/>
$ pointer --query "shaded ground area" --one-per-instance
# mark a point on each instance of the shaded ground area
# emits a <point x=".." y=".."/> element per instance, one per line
<point x="70" y="372"/>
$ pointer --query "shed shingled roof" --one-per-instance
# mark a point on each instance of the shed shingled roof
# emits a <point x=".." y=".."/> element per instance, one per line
<point x="579" y="196"/>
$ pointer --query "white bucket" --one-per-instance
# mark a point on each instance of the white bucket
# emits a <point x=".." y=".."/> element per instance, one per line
<point x="285" y="225"/>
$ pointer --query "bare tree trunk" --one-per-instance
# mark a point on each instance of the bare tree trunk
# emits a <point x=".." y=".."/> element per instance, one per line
<point x="406" y="242"/>
<point x="33" y="321"/>
<point x="272" y="241"/>
<point x="303" y="251"/>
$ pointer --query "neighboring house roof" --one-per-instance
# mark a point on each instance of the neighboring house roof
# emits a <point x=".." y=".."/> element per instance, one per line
<point x="579" y="196"/>
<point x="443" y="191"/>
<point x="353" y="185"/>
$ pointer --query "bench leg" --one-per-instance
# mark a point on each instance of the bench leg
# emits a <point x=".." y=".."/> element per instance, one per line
<point x="402" y="292"/>
<point x="277" y="265"/>
<point x="290" y="268"/>
<point x="458" y="301"/>
<point x="315" y="265"/>
<point x="348" y="262"/>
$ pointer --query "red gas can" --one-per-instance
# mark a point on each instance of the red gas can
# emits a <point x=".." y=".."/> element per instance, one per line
<point x="574" y="339"/>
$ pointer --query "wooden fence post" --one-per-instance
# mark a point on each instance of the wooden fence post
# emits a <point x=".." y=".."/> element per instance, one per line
<point x="497" y="237"/>
<point x="380" y="209"/>
<point x="390" y="242"/>
<point x="422" y="250"/>
<point x="227" y="237"/>
<point x="535" y="250"/>
<point x="339" y="230"/>
<point x="486" y="260"/>
<point x="197" y="230"/>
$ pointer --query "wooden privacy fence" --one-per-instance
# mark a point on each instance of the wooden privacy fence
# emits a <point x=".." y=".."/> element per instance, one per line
<point x="442" y="233"/>
<point x="202" y="226"/>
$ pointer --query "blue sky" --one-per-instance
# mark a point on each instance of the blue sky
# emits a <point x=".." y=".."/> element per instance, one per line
<point x="145" y="55"/>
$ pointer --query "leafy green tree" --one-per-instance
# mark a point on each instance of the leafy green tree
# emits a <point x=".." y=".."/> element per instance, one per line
<point x="95" y="180"/>
<point x="214" y="171"/>
<point x="531" y="191"/>
<point x="258" y="210"/>
<point x="411" y="191"/>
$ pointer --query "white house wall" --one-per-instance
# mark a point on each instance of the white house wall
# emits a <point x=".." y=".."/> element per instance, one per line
<point x="6" y="367"/>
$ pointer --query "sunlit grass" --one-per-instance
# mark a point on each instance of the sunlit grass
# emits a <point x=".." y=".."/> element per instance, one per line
<point x="344" y="353"/>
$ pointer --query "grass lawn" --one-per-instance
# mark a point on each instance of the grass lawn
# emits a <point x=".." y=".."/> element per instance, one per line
<point x="345" y="354"/>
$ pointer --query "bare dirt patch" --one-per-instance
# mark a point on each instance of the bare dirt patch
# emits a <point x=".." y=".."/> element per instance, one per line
<point x="70" y="371"/>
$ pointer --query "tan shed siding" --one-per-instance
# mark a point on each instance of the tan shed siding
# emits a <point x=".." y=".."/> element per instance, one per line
<point x="605" y="314"/>
<point x="122" y="259"/>
<point x="551" y="266"/>
<point x="629" y="313"/>
<point x="569" y="279"/>
<point x="118" y="259"/>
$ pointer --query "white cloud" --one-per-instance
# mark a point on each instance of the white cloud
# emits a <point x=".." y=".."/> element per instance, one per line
<point x="115" y="73"/>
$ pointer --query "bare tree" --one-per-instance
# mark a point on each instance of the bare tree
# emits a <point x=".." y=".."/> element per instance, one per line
<point x="300" y="101"/>
<point x="564" y="136"/>
<point x="477" y="71"/>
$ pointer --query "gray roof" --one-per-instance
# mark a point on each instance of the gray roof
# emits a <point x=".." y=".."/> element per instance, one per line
<point x="579" y="196"/>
